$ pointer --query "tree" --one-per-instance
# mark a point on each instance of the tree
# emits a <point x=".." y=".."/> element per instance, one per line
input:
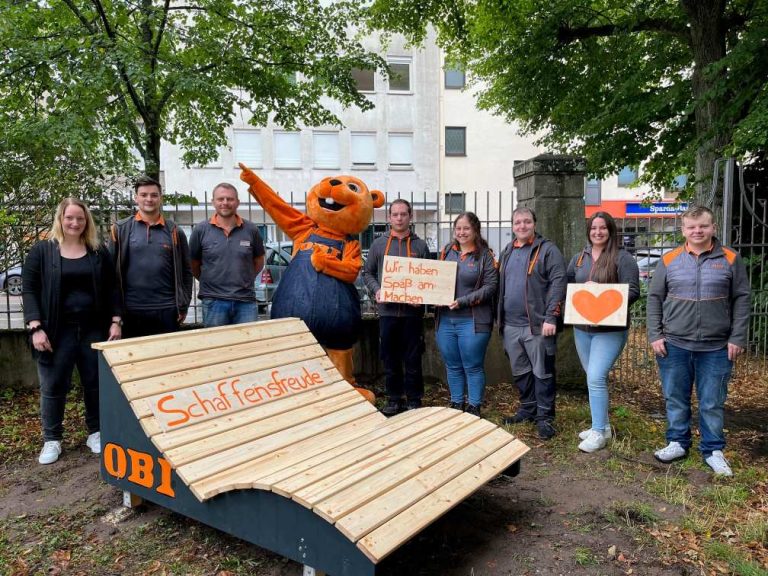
<point x="671" y="84"/>
<point x="118" y="77"/>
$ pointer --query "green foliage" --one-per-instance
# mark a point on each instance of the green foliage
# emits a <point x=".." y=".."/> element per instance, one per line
<point x="667" y="84"/>
<point x="116" y="78"/>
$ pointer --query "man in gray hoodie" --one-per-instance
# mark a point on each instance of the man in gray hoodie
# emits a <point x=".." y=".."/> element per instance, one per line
<point x="532" y="282"/>
<point x="401" y="326"/>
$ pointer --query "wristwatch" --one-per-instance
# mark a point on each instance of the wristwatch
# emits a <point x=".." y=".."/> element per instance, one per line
<point x="35" y="329"/>
<point x="118" y="322"/>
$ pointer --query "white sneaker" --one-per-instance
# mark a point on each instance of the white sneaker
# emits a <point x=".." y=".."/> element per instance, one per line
<point x="719" y="464"/>
<point x="50" y="452"/>
<point x="607" y="433"/>
<point x="673" y="451"/>
<point x="593" y="442"/>
<point x="94" y="442"/>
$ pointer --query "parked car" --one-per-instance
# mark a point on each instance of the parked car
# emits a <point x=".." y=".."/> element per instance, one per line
<point x="10" y="280"/>
<point x="647" y="260"/>
<point x="277" y="256"/>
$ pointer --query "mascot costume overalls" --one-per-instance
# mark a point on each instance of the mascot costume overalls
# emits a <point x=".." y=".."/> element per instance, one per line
<point x="318" y="285"/>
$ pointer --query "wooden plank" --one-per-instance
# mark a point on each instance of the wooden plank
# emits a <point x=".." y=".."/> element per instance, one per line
<point x="227" y="459"/>
<point x="143" y="409"/>
<point x="241" y="476"/>
<point x="260" y="472"/>
<point x="287" y="481"/>
<point x="163" y="345"/>
<point x="395" y="532"/>
<point x="314" y="493"/>
<point x="168" y="440"/>
<point x="217" y="443"/>
<point x="373" y="514"/>
<point x="182" y="378"/>
<point x="197" y="359"/>
<point x="343" y="502"/>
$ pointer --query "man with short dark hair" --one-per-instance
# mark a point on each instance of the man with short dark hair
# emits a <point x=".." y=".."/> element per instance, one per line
<point x="227" y="253"/>
<point x="532" y="283"/>
<point x="698" y="318"/>
<point x="152" y="262"/>
<point x="401" y="329"/>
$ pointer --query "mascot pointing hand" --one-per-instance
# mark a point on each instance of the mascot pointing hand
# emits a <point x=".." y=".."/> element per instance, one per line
<point x="318" y="285"/>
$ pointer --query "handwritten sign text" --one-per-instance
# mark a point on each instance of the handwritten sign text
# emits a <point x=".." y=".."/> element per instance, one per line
<point x="418" y="281"/>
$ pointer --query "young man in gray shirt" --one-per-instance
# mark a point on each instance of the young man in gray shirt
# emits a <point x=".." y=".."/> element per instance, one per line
<point x="227" y="254"/>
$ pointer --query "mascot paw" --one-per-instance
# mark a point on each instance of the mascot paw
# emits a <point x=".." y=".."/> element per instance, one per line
<point x="248" y="176"/>
<point x="367" y="394"/>
<point x="319" y="257"/>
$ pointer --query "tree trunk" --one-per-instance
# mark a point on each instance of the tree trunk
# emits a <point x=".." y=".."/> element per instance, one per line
<point x="708" y="34"/>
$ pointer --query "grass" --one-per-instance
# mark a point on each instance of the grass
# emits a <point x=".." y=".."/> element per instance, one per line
<point x="584" y="557"/>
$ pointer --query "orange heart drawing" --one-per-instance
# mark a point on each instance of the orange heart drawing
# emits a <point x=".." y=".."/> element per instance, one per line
<point x="596" y="308"/>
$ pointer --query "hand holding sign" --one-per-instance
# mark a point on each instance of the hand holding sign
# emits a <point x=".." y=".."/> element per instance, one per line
<point x="596" y="304"/>
<point x="417" y="281"/>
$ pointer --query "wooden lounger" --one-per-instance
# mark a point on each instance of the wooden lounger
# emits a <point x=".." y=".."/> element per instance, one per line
<point x="251" y="429"/>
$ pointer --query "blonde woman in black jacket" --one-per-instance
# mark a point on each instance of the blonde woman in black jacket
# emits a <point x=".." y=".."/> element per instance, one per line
<point x="70" y="302"/>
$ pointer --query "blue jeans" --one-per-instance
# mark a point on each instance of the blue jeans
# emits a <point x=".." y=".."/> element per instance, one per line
<point x="598" y="351"/>
<point x="463" y="351"/>
<point x="220" y="312"/>
<point x="711" y="371"/>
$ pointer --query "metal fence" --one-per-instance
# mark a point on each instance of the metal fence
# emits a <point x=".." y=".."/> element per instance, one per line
<point x="647" y="238"/>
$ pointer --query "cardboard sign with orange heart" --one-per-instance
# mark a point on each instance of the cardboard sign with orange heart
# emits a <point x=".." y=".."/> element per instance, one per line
<point x="596" y="304"/>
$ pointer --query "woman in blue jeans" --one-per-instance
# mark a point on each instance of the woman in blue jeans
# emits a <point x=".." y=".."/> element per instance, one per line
<point x="464" y="327"/>
<point x="604" y="261"/>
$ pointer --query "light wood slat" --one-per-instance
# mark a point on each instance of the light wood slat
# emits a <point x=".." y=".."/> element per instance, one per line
<point x="159" y="366"/>
<point x="175" y="438"/>
<point x="186" y="378"/>
<point x="314" y="493"/>
<point x="226" y="459"/>
<point x="241" y="476"/>
<point x="395" y="532"/>
<point x="353" y="497"/>
<point x="143" y="408"/>
<point x="118" y="352"/>
<point x="288" y="482"/>
<point x="281" y="463"/>
<point x="264" y="427"/>
<point x="373" y="514"/>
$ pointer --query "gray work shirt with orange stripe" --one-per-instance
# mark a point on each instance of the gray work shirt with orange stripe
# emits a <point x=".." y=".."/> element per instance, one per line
<point x="226" y="270"/>
<point x="149" y="267"/>
<point x="699" y="303"/>
<point x="515" y="309"/>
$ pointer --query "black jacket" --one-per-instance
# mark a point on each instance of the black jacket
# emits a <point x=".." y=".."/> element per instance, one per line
<point x="41" y="279"/>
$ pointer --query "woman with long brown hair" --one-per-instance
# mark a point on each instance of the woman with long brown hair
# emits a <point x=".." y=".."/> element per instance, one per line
<point x="603" y="260"/>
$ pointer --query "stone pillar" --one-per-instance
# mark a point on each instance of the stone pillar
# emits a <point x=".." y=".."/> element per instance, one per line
<point x="553" y="186"/>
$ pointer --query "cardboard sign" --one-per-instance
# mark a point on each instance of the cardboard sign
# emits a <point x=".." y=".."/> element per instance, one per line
<point x="418" y="281"/>
<point x="597" y="304"/>
<point x="195" y="404"/>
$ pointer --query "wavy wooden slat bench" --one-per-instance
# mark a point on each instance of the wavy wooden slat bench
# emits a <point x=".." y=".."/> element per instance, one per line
<point x="251" y="429"/>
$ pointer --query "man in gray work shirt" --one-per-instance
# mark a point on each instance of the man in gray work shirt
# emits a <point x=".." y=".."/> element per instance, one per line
<point x="227" y="254"/>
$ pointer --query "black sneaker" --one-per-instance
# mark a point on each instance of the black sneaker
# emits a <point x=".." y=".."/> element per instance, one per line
<point x="517" y="419"/>
<point x="474" y="410"/>
<point x="457" y="406"/>
<point x="546" y="430"/>
<point x="392" y="407"/>
<point x="413" y="404"/>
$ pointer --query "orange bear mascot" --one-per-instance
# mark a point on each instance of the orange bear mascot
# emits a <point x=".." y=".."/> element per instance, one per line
<point x="318" y="285"/>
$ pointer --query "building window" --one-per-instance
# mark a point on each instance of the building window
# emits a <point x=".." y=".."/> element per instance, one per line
<point x="325" y="149"/>
<point x="592" y="193"/>
<point x="455" y="78"/>
<point x="455" y="203"/>
<point x="627" y="176"/>
<point x="287" y="150"/>
<point x="364" y="79"/>
<point x="248" y="148"/>
<point x="455" y="141"/>
<point x="400" y="80"/>
<point x="400" y="150"/>
<point x="363" y="150"/>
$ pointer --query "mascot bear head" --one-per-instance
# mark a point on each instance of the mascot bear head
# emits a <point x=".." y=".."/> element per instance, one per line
<point x="342" y="204"/>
